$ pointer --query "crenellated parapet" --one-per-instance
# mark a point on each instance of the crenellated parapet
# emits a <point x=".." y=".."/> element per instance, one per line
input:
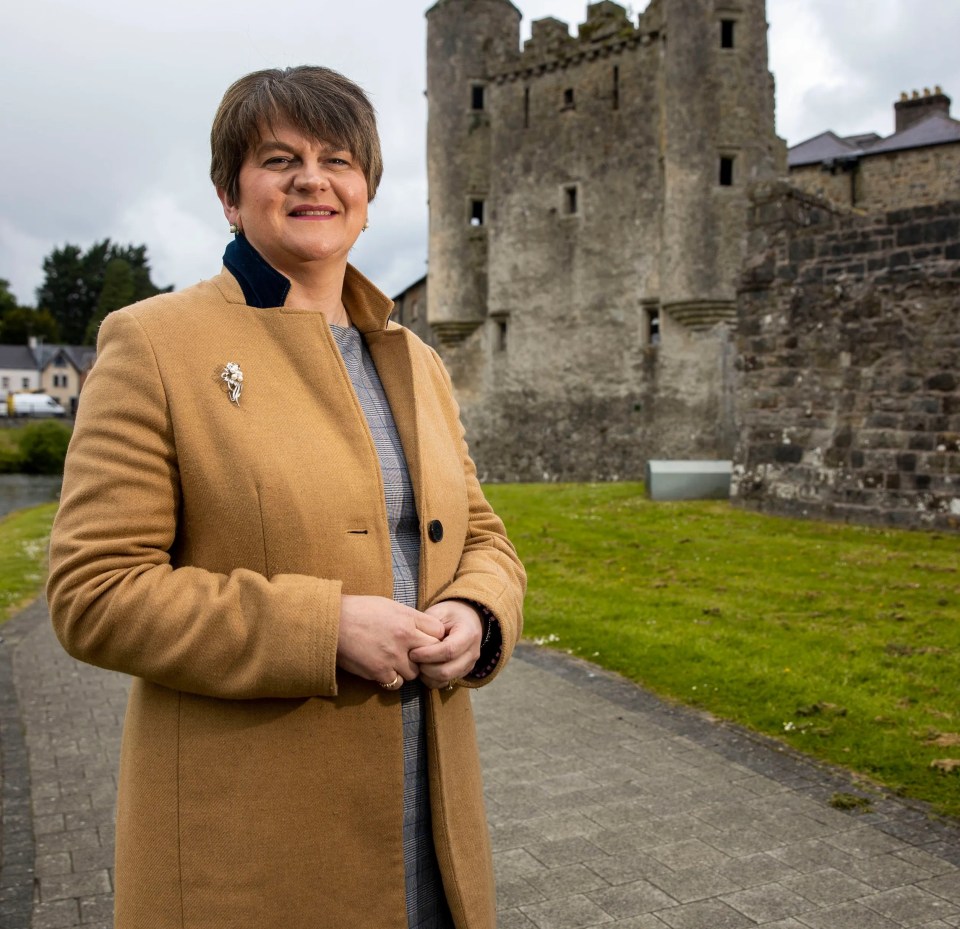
<point x="608" y="30"/>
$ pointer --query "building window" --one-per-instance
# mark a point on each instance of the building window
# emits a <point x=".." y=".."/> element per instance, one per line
<point x="571" y="205"/>
<point x="25" y="383"/>
<point x="476" y="213"/>
<point x="526" y="107"/>
<point x="6" y="383"/>
<point x="651" y="324"/>
<point x="726" y="33"/>
<point x="726" y="171"/>
<point x="477" y="95"/>
<point x="501" y="335"/>
<point x="414" y="310"/>
<point x="568" y="99"/>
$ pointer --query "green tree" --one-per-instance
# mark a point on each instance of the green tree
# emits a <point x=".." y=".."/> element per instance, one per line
<point x="18" y="324"/>
<point x="43" y="447"/>
<point x="74" y="280"/>
<point x="119" y="290"/>
<point x="7" y="300"/>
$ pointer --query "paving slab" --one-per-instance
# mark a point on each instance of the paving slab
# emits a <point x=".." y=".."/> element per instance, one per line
<point x="607" y="807"/>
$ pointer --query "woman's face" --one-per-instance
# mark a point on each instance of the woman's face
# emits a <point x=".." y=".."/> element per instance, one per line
<point x="301" y="200"/>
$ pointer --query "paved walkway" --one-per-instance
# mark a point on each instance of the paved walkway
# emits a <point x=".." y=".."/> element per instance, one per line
<point x="607" y="807"/>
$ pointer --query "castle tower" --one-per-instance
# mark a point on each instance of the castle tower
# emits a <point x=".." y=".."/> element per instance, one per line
<point x="716" y="117"/>
<point x="466" y="41"/>
<point x="588" y="203"/>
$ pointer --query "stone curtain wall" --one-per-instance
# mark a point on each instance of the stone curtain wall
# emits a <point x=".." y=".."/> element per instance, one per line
<point x="887" y="181"/>
<point x="848" y="368"/>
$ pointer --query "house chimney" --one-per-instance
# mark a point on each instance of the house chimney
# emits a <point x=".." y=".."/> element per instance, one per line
<point x="912" y="109"/>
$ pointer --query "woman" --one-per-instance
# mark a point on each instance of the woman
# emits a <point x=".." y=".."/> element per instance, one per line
<point x="270" y="519"/>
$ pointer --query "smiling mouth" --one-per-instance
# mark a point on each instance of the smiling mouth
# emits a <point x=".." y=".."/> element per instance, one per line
<point x="312" y="213"/>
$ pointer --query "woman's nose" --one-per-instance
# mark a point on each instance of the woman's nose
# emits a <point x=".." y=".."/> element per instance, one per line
<point x="311" y="177"/>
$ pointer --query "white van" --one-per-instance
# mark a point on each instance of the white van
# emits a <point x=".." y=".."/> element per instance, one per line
<point x="31" y="405"/>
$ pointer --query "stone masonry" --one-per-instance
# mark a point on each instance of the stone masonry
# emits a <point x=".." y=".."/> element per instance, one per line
<point x="848" y="340"/>
<point x="587" y="227"/>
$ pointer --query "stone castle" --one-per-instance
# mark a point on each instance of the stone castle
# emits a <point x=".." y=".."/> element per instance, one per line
<point x="587" y="204"/>
<point x="624" y="264"/>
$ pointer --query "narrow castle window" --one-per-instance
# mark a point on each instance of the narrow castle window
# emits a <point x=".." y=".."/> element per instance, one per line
<point x="616" y="87"/>
<point x="571" y="205"/>
<point x="501" y="335"/>
<point x="651" y="325"/>
<point x="476" y="212"/>
<point x="726" y="171"/>
<point x="477" y="96"/>
<point x="568" y="99"/>
<point x="726" y="33"/>
<point x="526" y="107"/>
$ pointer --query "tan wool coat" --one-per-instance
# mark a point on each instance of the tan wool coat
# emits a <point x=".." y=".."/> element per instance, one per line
<point x="202" y="546"/>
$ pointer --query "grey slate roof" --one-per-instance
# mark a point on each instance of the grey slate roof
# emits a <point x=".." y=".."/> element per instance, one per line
<point x="21" y="357"/>
<point x="934" y="130"/>
<point x="16" y="358"/>
<point x="80" y="356"/>
<point x="821" y="148"/>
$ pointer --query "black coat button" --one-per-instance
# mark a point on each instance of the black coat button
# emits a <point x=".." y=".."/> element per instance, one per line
<point x="435" y="530"/>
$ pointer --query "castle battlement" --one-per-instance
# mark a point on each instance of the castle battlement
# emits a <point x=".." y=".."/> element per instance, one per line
<point x="607" y="31"/>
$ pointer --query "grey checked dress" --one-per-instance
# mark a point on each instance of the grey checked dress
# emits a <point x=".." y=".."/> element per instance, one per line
<point x="426" y="903"/>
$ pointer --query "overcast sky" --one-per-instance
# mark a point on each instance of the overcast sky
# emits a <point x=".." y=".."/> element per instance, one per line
<point x="106" y="108"/>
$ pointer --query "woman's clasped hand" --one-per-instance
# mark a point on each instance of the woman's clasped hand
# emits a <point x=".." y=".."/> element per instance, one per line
<point x="380" y="639"/>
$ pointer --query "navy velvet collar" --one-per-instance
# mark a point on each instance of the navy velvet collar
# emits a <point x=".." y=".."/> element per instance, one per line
<point x="262" y="284"/>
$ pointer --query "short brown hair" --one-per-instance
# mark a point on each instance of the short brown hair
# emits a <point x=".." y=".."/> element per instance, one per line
<point x="319" y="102"/>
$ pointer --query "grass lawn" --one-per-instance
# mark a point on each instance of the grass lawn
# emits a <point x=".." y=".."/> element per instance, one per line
<point x="23" y="556"/>
<point x="842" y="641"/>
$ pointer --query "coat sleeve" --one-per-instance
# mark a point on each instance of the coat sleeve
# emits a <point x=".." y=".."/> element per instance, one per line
<point x="490" y="572"/>
<point x="117" y="601"/>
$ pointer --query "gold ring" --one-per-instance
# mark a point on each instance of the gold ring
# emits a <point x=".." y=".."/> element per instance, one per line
<point x="395" y="684"/>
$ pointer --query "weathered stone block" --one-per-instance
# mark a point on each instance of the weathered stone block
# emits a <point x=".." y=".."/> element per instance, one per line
<point x="792" y="454"/>
<point x="941" y="230"/>
<point x="906" y="461"/>
<point x="882" y="421"/>
<point x="922" y="442"/>
<point x="910" y="235"/>
<point x="945" y="381"/>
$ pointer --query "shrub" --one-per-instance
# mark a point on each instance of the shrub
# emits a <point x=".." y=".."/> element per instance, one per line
<point x="43" y="446"/>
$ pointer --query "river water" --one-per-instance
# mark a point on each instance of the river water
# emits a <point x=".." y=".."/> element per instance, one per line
<point x="21" y="490"/>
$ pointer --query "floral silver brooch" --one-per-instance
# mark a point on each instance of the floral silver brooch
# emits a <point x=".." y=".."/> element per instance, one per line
<point x="232" y="376"/>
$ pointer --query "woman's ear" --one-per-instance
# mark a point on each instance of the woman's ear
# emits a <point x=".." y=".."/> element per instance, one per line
<point x="230" y="210"/>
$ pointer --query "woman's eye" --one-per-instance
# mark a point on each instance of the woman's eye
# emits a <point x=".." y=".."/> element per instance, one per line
<point x="278" y="160"/>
